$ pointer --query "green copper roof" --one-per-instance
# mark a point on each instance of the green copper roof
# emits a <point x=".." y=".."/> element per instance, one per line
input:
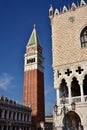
<point x="34" y="39"/>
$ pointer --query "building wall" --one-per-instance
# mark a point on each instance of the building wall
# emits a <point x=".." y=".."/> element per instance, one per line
<point x="34" y="80"/>
<point x="34" y="92"/>
<point x="68" y="55"/>
<point x="66" y="28"/>
<point x="13" y="115"/>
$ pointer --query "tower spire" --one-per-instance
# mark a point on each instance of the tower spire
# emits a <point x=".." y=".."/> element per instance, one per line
<point x="82" y="2"/>
<point x="34" y="39"/>
<point x="34" y="79"/>
<point x="34" y="26"/>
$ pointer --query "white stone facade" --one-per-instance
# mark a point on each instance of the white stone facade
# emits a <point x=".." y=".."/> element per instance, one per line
<point x="14" y="116"/>
<point x="70" y="59"/>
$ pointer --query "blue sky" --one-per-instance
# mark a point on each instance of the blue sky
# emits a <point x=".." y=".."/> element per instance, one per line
<point x="17" y="18"/>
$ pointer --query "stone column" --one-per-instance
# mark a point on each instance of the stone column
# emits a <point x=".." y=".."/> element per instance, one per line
<point x="26" y="117"/>
<point x="23" y="117"/>
<point x="12" y="115"/>
<point x="19" y="116"/>
<point x="29" y="118"/>
<point x="7" y="127"/>
<point x="15" y="115"/>
<point x="2" y="127"/>
<point x="11" y="128"/>
<point x="7" y="116"/>
<point x="3" y="113"/>
<point x="15" y="128"/>
<point x="81" y="90"/>
<point x="58" y="99"/>
<point x="69" y="91"/>
<point x="29" y="128"/>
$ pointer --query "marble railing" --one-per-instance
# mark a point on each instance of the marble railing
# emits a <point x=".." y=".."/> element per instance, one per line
<point x="76" y="99"/>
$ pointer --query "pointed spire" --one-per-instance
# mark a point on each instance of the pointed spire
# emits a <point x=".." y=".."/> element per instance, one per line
<point x="51" y="12"/>
<point x="56" y="12"/>
<point x="34" y="25"/>
<point x="51" y="8"/>
<point x="64" y="9"/>
<point x="34" y="39"/>
<point x="82" y="3"/>
<point x="73" y="6"/>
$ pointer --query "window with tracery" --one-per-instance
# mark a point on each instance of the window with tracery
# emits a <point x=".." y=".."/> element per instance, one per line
<point x="75" y="87"/>
<point x="83" y="37"/>
<point x="63" y="90"/>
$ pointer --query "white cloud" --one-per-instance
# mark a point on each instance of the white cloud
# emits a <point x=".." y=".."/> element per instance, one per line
<point x="5" y="81"/>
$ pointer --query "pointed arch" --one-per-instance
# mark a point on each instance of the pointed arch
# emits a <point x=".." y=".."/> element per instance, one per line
<point x="73" y="120"/>
<point x="75" y="87"/>
<point x="85" y="85"/>
<point x="83" y="37"/>
<point x="63" y="89"/>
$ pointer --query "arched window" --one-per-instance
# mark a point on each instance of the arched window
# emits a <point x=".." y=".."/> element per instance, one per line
<point x="73" y="121"/>
<point x="63" y="88"/>
<point x="75" y="87"/>
<point x="83" y="37"/>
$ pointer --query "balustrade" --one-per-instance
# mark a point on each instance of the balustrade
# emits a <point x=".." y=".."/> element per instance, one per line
<point x="76" y="99"/>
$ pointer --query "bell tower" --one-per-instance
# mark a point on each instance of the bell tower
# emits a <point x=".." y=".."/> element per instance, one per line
<point x="34" y="79"/>
<point x="69" y="49"/>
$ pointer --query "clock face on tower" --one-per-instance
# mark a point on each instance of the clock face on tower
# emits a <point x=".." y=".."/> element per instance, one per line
<point x="31" y="60"/>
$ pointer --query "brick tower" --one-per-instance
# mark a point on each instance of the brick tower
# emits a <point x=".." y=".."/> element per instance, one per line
<point x="69" y="48"/>
<point x="34" y="79"/>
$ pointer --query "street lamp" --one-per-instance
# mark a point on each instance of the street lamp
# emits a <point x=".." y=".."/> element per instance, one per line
<point x="64" y="110"/>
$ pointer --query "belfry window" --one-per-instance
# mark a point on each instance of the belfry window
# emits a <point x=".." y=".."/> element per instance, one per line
<point x="30" y="60"/>
<point x="83" y="37"/>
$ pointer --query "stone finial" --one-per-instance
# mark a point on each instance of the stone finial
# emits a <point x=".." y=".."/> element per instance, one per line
<point x="73" y="6"/>
<point x="51" y="12"/>
<point x="64" y="9"/>
<point x="82" y="3"/>
<point x="56" y="12"/>
<point x="34" y="25"/>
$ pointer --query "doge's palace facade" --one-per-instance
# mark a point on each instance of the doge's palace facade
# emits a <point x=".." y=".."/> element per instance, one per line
<point x="69" y="49"/>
